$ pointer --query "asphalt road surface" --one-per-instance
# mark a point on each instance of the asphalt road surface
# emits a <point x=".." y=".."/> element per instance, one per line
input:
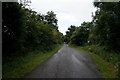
<point x="67" y="63"/>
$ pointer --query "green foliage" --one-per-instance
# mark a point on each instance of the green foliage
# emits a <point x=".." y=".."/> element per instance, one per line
<point x="103" y="30"/>
<point x="107" y="69"/>
<point x="80" y="35"/>
<point x="25" y="30"/>
<point x="18" y="67"/>
<point x="106" y="22"/>
<point x="69" y="33"/>
<point x="51" y="18"/>
<point x="12" y="28"/>
<point x="110" y="57"/>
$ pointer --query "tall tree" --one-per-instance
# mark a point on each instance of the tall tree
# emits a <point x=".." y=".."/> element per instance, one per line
<point x="50" y="18"/>
<point x="107" y="20"/>
<point x="11" y="26"/>
<point x="69" y="33"/>
<point x="25" y="30"/>
<point x="80" y="35"/>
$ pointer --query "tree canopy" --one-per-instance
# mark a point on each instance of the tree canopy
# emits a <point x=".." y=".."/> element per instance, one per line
<point x="25" y="30"/>
<point x="103" y="30"/>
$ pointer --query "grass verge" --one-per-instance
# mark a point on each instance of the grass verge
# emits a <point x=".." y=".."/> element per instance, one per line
<point x="23" y="65"/>
<point x="106" y="68"/>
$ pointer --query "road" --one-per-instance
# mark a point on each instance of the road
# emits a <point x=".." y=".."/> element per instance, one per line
<point x="67" y="63"/>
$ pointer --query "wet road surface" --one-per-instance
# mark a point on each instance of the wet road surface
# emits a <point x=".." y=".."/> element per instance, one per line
<point x="67" y="63"/>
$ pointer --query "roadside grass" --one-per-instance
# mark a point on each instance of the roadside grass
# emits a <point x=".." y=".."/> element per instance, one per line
<point x="106" y="68"/>
<point x="23" y="65"/>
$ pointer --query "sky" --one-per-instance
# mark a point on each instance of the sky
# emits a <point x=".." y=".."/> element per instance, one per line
<point x="68" y="12"/>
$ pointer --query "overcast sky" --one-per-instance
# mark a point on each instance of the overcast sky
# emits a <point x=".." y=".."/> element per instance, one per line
<point x="69" y="12"/>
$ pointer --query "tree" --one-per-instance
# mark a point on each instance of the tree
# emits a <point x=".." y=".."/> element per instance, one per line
<point x="107" y="28"/>
<point x="50" y="18"/>
<point x="12" y="26"/>
<point x="25" y="30"/>
<point x="69" y="33"/>
<point x="80" y="35"/>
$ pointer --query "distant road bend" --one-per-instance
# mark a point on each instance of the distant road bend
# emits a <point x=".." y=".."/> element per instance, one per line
<point x="67" y="63"/>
